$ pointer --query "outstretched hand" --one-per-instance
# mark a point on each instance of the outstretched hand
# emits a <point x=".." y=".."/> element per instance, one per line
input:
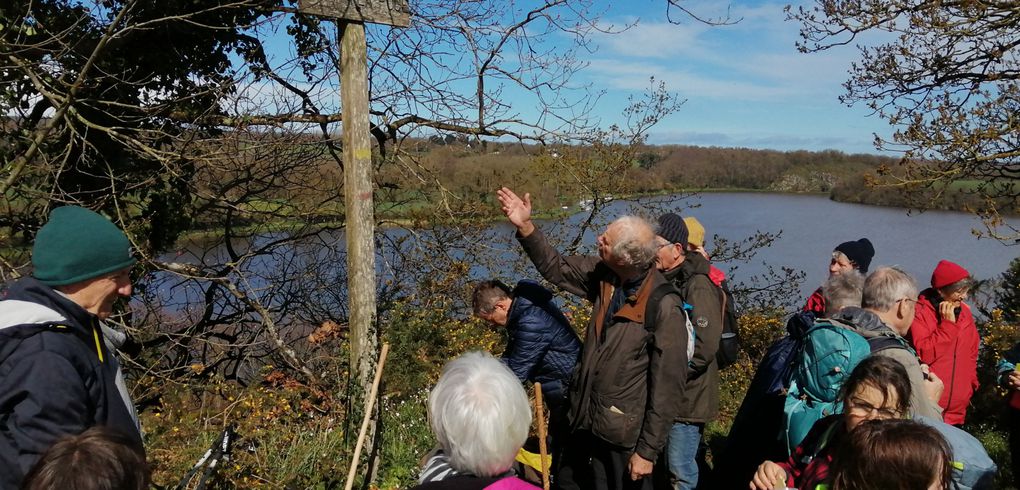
<point x="517" y="210"/>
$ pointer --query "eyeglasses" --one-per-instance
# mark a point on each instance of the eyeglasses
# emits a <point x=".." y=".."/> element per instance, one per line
<point x="906" y="299"/>
<point x="863" y="409"/>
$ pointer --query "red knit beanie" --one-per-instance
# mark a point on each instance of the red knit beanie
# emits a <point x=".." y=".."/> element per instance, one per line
<point x="947" y="273"/>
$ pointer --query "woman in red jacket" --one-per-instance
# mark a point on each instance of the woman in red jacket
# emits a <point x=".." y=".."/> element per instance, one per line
<point x="946" y="338"/>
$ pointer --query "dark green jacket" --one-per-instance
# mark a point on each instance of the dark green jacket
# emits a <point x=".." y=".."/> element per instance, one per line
<point x="701" y="398"/>
<point x="628" y="387"/>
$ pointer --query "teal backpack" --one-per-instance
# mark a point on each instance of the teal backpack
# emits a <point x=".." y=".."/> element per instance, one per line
<point x="829" y="352"/>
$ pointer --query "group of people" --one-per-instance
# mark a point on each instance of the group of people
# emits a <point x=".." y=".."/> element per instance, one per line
<point x="629" y="403"/>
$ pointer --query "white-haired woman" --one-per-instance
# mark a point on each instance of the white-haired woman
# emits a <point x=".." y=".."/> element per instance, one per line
<point x="480" y="416"/>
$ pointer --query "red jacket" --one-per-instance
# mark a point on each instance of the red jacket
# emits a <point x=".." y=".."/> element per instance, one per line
<point x="815" y="303"/>
<point x="951" y="349"/>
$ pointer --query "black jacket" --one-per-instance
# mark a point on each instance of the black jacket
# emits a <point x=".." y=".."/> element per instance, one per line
<point x="57" y="377"/>
<point x="542" y="346"/>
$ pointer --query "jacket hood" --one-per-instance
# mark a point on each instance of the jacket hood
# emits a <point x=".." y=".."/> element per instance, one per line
<point x="693" y="265"/>
<point x="41" y="304"/>
<point x="867" y="323"/>
<point x="799" y="323"/>
<point x="533" y="291"/>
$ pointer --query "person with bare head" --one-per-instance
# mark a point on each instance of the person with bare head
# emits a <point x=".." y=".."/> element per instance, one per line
<point x="629" y="386"/>
<point x="97" y="459"/>
<point x="893" y="454"/>
<point x="842" y="291"/>
<point x="877" y="389"/>
<point x="60" y="373"/>
<point x="480" y="416"/>
<point x="884" y="318"/>
<point x="541" y="346"/>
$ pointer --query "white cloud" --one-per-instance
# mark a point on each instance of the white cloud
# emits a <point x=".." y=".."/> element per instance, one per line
<point x="635" y="75"/>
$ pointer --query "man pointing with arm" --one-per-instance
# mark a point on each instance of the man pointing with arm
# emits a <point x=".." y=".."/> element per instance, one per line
<point x="629" y="385"/>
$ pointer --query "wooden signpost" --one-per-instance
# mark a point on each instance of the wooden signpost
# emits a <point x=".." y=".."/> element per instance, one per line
<point x="351" y="17"/>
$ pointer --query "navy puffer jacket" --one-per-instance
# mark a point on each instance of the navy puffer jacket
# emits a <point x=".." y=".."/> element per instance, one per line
<point x="542" y="346"/>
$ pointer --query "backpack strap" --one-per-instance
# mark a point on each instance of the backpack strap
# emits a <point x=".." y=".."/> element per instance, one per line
<point x="652" y="306"/>
<point x="884" y="342"/>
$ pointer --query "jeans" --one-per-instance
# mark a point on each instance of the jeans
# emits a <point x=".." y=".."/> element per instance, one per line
<point x="682" y="455"/>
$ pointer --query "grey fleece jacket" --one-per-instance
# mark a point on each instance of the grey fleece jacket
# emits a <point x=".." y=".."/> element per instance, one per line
<point x="869" y="325"/>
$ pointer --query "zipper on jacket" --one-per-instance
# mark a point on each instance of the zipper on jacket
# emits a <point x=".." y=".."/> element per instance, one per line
<point x="95" y="335"/>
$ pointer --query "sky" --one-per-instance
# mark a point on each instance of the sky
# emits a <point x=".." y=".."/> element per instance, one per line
<point x="746" y="85"/>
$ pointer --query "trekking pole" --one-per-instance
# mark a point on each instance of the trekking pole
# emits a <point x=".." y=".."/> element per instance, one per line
<point x="540" y="417"/>
<point x="369" y="405"/>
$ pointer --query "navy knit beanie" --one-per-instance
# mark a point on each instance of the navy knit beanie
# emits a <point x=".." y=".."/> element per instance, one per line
<point x="77" y="244"/>
<point x="673" y="229"/>
<point x="859" y="252"/>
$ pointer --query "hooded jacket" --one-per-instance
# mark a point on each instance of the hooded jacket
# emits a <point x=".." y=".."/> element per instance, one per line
<point x="542" y="346"/>
<point x="951" y="349"/>
<point x="870" y="326"/>
<point x="701" y="398"/>
<point x="629" y="386"/>
<point x="57" y="377"/>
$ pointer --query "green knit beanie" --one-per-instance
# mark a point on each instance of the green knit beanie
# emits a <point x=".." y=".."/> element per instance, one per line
<point x="77" y="244"/>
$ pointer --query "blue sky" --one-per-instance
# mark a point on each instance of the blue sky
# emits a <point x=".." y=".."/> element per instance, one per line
<point x="746" y="84"/>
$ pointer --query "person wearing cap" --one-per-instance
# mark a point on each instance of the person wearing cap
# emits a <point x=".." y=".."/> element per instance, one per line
<point x="696" y="243"/>
<point x="855" y="255"/>
<point x="58" y="375"/>
<point x="946" y="338"/>
<point x="689" y="272"/>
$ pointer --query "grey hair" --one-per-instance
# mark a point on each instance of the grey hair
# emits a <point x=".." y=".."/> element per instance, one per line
<point x="843" y="290"/>
<point x="635" y="246"/>
<point x="965" y="283"/>
<point x="885" y="287"/>
<point x="480" y="414"/>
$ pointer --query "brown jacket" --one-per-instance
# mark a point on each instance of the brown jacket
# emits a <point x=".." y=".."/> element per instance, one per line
<point x="629" y="385"/>
<point x="701" y="398"/>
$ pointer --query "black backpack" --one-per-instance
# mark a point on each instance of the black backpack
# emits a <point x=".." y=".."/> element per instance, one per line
<point x="652" y="313"/>
<point x="729" y="342"/>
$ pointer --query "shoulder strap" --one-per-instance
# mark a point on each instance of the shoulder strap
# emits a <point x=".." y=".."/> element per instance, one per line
<point x="884" y="342"/>
<point x="652" y="306"/>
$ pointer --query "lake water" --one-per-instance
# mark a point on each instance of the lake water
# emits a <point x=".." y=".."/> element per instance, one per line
<point x="813" y="225"/>
<point x="810" y="225"/>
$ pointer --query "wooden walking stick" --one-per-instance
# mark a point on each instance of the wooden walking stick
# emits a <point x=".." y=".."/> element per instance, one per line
<point x="540" y="417"/>
<point x="369" y="405"/>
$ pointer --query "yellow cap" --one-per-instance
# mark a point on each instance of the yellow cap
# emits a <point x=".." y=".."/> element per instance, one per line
<point x="696" y="232"/>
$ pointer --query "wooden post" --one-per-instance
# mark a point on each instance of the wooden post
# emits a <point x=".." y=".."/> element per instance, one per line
<point x="369" y="405"/>
<point x="357" y="156"/>
<point x="358" y="197"/>
<point x="540" y="420"/>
